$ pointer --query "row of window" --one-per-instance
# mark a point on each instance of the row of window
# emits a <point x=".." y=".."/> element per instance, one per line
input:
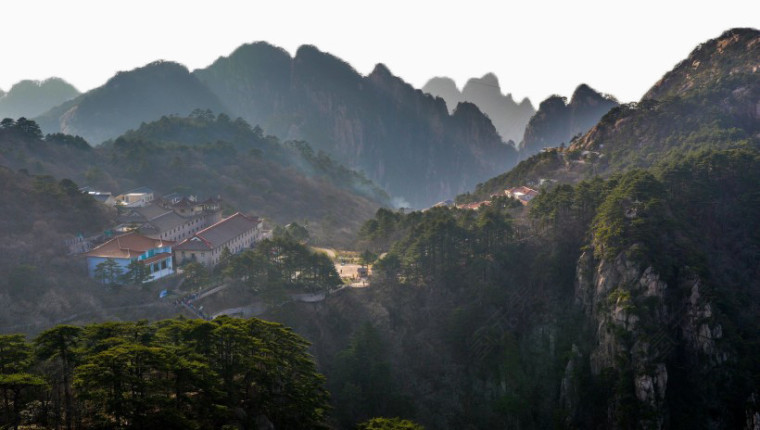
<point x="155" y="267"/>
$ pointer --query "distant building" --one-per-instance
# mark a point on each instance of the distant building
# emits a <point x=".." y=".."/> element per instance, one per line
<point x="104" y="197"/>
<point x="135" y="198"/>
<point x="235" y="233"/>
<point x="474" y="206"/>
<point x="522" y="193"/>
<point x="174" y="220"/>
<point x="156" y="254"/>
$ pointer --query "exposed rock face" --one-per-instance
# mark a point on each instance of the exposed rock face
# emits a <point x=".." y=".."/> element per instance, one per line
<point x="736" y="52"/>
<point x="641" y="323"/>
<point x="508" y="116"/>
<point x="556" y="122"/>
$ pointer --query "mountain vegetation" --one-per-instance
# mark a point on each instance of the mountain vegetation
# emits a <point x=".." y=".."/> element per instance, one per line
<point x="282" y="264"/>
<point x="508" y="116"/>
<point x="31" y="98"/>
<point x="622" y="297"/>
<point x="171" y="374"/>
<point x="209" y="155"/>
<point x="613" y="303"/>
<point x="40" y="279"/>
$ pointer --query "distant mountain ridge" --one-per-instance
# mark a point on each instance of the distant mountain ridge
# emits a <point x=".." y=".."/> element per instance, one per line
<point x="556" y="122"/>
<point x="404" y="140"/>
<point x="30" y="98"/>
<point x="128" y="99"/>
<point x="509" y="117"/>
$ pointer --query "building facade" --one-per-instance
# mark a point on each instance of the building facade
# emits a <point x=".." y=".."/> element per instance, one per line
<point x="235" y="233"/>
<point x="155" y="254"/>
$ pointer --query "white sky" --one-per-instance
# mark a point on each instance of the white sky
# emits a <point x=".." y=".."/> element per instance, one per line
<point x="535" y="47"/>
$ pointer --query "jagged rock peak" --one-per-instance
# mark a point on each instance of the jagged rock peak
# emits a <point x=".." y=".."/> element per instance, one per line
<point x="489" y="79"/>
<point x="584" y="94"/>
<point x="312" y="61"/>
<point x="525" y="103"/>
<point x="381" y="70"/>
<point x="466" y="108"/>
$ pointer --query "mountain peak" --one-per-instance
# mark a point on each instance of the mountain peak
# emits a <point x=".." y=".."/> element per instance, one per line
<point x="508" y="117"/>
<point x="733" y="53"/>
<point x="381" y="70"/>
<point x="557" y="121"/>
<point x="585" y="94"/>
<point x="490" y="79"/>
<point x="129" y="98"/>
<point x="30" y="98"/>
<point x="489" y="83"/>
<point x="258" y="49"/>
<point x="526" y="104"/>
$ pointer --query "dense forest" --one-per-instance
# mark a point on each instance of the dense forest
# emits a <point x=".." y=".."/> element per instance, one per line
<point x="170" y="374"/>
<point x="620" y="302"/>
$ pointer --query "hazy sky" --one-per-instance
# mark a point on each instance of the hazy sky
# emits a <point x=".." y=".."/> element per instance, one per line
<point x="535" y="47"/>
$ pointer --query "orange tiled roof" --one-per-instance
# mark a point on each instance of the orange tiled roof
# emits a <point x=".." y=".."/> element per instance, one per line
<point x="129" y="245"/>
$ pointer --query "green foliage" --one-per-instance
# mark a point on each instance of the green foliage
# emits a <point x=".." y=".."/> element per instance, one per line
<point x="434" y="246"/>
<point x="196" y="276"/>
<point x="108" y="271"/>
<point x="170" y="374"/>
<point x="293" y="232"/>
<point x="76" y="142"/>
<point x="282" y="264"/>
<point x="136" y="274"/>
<point x="634" y="212"/>
<point x="363" y="383"/>
<point x="22" y="128"/>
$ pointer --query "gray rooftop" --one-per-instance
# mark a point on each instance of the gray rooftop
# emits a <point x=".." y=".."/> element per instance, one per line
<point x="219" y="233"/>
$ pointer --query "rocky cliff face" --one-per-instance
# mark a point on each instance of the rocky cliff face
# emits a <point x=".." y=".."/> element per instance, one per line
<point x="735" y="53"/>
<point x="643" y="328"/>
